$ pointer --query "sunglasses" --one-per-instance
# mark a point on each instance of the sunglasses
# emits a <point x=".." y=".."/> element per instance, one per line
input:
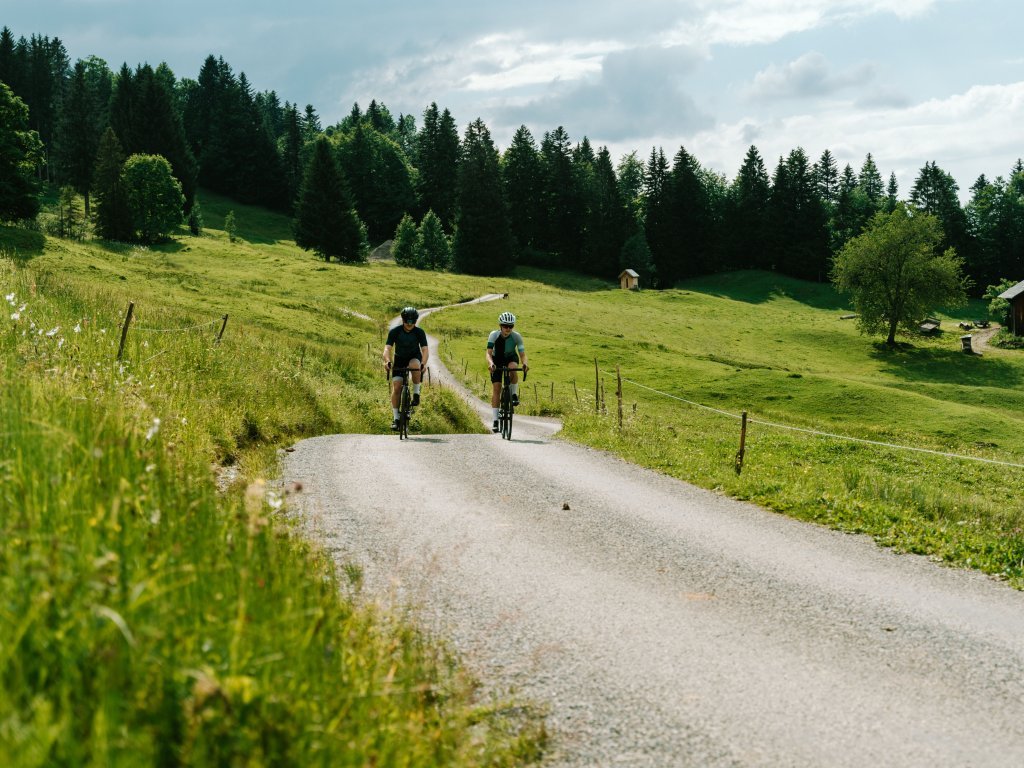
<point x="503" y="325"/>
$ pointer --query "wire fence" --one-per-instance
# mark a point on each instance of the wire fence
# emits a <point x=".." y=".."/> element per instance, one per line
<point x="183" y="329"/>
<point x="819" y="433"/>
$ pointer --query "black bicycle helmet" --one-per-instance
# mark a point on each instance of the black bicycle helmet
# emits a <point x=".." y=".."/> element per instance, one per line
<point x="410" y="315"/>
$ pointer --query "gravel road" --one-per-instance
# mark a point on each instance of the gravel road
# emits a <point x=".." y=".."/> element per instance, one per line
<point x="665" y="625"/>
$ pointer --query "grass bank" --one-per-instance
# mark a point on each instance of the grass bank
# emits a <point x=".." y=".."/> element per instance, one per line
<point x="157" y="607"/>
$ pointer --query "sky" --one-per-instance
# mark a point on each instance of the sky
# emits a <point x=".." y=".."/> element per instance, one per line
<point x="909" y="81"/>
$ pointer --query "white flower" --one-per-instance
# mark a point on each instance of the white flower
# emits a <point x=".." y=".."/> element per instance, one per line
<point x="53" y="331"/>
<point x="60" y="342"/>
<point x="10" y="299"/>
<point x="78" y="328"/>
<point x="274" y="500"/>
<point x="153" y="430"/>
<point x="15" y="315"/>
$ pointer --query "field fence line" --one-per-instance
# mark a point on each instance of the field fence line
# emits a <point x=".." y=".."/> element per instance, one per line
<point x="177" y="330"/>
<point x="819" y="433"/>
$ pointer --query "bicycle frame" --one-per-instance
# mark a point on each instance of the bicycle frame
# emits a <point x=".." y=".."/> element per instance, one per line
<point x="505" y="408"/>
<point x="404" y="399"/>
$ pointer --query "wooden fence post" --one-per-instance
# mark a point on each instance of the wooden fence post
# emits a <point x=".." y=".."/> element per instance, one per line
<point x="597" y="388"/>
<point x="552" y="391"/>
<point x="124" y="329"/>
<point x="575" y="391"/>
<point x="618" y="393"/>
<point x="743" y="443"/>
<point x="222" y="327"/>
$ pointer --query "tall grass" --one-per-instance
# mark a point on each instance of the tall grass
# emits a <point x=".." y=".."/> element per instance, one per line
<point x="147" y="618"/>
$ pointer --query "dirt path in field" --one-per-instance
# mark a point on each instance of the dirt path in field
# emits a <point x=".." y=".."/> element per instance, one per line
<point x="665" y="625"/>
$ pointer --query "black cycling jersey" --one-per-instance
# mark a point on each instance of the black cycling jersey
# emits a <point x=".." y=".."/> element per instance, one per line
<point x="407" y="343"/>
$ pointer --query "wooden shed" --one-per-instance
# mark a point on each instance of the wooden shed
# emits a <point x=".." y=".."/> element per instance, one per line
<point x="1015" y="296"/>
<point x="629" y="280"/>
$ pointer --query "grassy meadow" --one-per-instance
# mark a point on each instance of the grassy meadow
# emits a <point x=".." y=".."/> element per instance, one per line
<point x="780" y="350"/>
<point x="159" y="607"/>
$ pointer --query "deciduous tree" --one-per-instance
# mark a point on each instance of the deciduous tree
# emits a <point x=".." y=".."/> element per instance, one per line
<point x="20" y="154"/>
<point x="895" y="273"/>
<point x="154" y="196"/>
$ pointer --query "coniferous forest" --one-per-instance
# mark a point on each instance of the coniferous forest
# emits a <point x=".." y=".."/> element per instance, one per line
<point x="449" y="199"/>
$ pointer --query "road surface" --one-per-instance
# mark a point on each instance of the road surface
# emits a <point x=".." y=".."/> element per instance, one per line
<point x="665" y="625"/>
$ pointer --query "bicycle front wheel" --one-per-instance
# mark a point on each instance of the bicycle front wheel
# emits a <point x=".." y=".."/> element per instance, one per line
<point x="505" y="415"/>
<point x="404" y="408"/>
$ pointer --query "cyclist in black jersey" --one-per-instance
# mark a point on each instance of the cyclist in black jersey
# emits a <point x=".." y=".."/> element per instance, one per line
<point x="505" y="349"/>
<point x="410" y="351"/>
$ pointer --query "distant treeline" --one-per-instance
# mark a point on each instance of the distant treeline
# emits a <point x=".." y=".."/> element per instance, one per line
<point x="556" y="203"/>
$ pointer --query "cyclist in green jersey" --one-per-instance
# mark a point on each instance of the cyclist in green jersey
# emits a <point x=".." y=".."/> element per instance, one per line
<point x="410" y="351"/>
<point x="505" y="349"/>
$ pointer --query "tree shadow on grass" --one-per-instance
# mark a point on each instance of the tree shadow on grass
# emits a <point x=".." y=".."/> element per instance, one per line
<point x="944" y="366"/>
<point x="20" y="244"/>
<point x="754" y="286"/>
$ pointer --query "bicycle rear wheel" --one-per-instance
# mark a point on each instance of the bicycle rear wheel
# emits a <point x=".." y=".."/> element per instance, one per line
<point x="404" y="408"/>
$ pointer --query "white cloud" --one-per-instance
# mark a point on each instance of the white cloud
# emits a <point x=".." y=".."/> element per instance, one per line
<point x="967" y="134"/>
<point x="809" y="75"/>
<point x="750" y="22"/>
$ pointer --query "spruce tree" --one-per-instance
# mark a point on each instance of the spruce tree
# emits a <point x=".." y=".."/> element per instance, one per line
<point x="657" y="217"/>
<point x="746" y="215"/>
<point x="437" y="150"/>
<point x="433" y="251"/>
<point x="483" y="241"/>
<point x="113" y="218"/>
<point x="326" y="222"/>
<point x="560" y="196"/>
<point x="607" y="223"/>
<point x="403" y="245"/>
<point x="520" y="170"/>
<point x="79" y="135"/>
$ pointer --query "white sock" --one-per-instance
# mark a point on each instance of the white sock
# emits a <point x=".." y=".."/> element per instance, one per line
<point x="495" y="412"/>
<point x="514" y="389"/>
<point x="395" y="411"/>
<point x="416" y="389"/>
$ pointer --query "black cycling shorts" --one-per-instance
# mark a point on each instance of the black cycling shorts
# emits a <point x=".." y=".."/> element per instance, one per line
<point x="403" y="363"/>
<point x="496" y="373"/>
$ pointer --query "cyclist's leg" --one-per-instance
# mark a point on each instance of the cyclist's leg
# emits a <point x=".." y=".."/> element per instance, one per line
<point x="495" y="394"/>
<point x="514" y="380"/>
<point x="416" y="375"/>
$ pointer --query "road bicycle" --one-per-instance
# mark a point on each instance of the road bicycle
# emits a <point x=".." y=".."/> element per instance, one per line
<point x="404" y="399"/>
<point x="506" y="410"/>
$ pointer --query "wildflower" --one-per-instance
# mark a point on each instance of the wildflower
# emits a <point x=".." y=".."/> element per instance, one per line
<point x="53" y="331"/>
<point x="15" y="315"/>
<point x="78" y="328"/>
<point x="274" y="500"/>
<point x="10" y="299"/>
<point x="153" y="430"/>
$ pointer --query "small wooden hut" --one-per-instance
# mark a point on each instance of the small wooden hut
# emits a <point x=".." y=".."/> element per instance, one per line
<point x="629" y="280"/>
<point x="1015" y="296"/>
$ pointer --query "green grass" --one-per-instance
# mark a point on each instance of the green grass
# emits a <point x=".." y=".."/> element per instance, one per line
<point x="779" y="350"/>
<point x="157" y="604"/>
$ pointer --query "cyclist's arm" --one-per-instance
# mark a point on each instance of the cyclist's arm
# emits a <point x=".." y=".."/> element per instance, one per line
<point x="386" y="354"/>
<point x="424" y="354"/>
<point x="489" y="353"/>
<point x="522" y="351"/>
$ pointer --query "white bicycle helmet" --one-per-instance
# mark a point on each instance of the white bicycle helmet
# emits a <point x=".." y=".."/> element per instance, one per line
<point x="506" y="318"/>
